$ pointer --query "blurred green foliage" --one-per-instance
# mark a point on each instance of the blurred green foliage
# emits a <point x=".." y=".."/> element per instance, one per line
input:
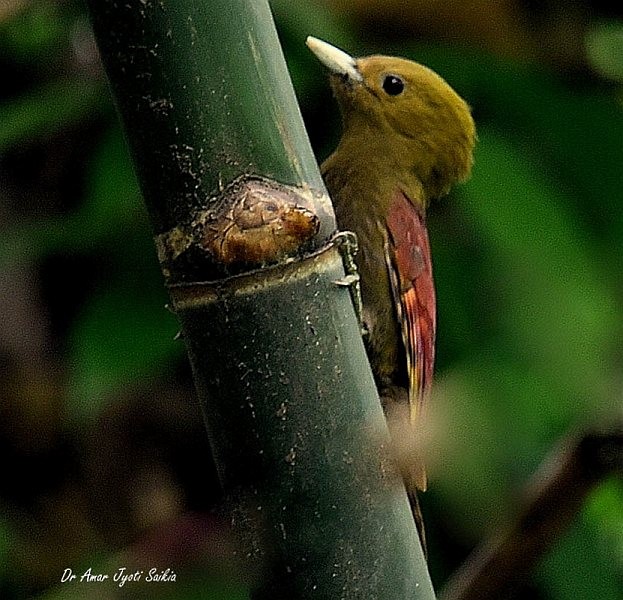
<point x="605" y="48"/>
<point x="528" y="259"/>
<point x="32" y="33"/>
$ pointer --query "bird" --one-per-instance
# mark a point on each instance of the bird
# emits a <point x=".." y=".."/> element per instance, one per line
<point x="407" y="138"/>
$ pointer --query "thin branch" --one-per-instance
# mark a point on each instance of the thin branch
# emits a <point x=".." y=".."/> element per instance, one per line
<point x="554" y="497"/>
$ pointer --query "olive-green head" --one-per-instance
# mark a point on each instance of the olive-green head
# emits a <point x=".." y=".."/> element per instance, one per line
<point x="406" y="111"/>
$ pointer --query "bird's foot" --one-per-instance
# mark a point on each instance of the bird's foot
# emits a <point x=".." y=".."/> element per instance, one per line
<point x="348" y="245"/>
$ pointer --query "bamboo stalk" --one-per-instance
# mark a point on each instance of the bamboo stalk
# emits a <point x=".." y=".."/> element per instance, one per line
<point x="244" y="232"/>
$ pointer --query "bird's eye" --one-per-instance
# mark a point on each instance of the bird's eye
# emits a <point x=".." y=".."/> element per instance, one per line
<point x="393" y="85"/>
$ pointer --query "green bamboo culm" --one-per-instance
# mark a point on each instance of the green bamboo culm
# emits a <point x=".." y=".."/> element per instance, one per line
<point x="207" y="93"/>
<point x="289" y="401"/>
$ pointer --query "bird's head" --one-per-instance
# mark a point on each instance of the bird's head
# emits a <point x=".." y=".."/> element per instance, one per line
<point x="404" y="110"/>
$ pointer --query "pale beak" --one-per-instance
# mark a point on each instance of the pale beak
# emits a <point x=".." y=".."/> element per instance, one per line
<point x="336" y="60"/>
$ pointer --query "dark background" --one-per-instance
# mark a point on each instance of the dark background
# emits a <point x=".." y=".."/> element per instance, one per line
<point x="104" y="457"/>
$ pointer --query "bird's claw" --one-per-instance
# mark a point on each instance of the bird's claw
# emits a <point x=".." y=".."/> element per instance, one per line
<point x="348" y="245"/>
<point x="347" y="281"/>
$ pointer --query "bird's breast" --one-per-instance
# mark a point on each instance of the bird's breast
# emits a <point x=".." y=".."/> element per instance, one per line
<point x="365" y="218"/>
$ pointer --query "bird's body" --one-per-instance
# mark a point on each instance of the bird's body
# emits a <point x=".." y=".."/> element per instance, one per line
<point x="407" y="137"/>
<point x="353" y="178"/>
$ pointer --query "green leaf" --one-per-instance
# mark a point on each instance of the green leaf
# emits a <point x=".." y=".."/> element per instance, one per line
<point x="113" y="198"/>
<point x="34" y="32"/>
<point x="552" y="295"/>
<point x="498" y="420"/>
<point x="604" y="47"/>
<point x="604" y="510"/>
<point x="48" y="109"/>
<point x="123" y="334"/>
<point x="580" y="568"/>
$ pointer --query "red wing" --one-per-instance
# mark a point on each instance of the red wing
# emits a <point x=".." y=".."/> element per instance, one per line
<point x="410" y="269"/>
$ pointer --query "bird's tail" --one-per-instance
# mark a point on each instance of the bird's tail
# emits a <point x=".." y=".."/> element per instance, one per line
<point x="416" y="510"/>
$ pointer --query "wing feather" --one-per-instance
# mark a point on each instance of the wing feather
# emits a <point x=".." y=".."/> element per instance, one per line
<point x="408" y="257"/>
